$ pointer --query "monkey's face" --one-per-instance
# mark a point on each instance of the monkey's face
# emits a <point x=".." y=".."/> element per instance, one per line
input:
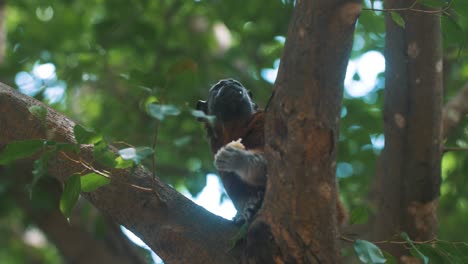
<point x="228" y="100"/>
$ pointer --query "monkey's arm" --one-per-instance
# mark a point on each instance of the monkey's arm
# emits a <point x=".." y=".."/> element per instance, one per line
<point x="249" y="165"/>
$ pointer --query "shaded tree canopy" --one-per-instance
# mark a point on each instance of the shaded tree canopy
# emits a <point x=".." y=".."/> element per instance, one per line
<point x="101" y="63"/>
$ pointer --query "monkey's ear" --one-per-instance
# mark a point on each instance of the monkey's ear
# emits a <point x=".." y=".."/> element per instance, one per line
<point x="202" y="106"/>
<point x="250" y="94"/>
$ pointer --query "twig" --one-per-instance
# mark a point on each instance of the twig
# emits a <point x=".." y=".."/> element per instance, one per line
<point x="153" y="157"/>
<point x="123" y="143"/>
<point x="411" y="8"/>
<point x="401" y="242"/>
<point x="447" y="149"/>
<point x="104" y="174"/>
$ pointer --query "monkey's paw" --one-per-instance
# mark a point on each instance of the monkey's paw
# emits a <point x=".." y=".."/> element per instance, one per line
<point x="230" y="158"/>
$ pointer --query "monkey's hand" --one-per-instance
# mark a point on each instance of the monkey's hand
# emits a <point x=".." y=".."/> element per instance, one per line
<point x="249" y="165"/>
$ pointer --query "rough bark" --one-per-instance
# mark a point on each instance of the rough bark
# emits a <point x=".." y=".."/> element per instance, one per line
<point x="178" y="230"/>
<point x="409" y="188"/>
<point x="298" y="216"/>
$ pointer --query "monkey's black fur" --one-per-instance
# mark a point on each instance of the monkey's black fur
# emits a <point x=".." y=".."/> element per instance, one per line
<point x="242" y="171"/>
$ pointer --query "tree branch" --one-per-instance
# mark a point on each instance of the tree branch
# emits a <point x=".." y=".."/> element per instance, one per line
<point x="75" y="243"/>
<point x="178" y="230"/>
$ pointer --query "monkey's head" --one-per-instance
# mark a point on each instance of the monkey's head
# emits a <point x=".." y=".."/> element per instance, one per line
<point x="228" y="100"/>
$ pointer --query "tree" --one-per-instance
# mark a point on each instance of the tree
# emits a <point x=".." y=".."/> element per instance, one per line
<point x="296" y="222"/>
<point x="413" y="109"/>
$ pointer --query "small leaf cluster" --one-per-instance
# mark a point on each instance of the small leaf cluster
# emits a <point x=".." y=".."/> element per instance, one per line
<point x="434" y="251"/>
<point x="76" y="183"/>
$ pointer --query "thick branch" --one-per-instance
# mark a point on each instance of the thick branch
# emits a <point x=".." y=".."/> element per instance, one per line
<point x="75" y="243"/>
<point x="177" y="229"/>
<point x="454" y="111"/>
<point x="302" y="132"/>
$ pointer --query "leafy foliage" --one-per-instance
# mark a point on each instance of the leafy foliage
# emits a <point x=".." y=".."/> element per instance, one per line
<point x="367" y="252"/>
<point x="359" y="215"/>
<point x="161" y="111"/>
<point x="70" y="194"/>
<point x="20" y="149"/>
<point x="92" y="181"/>
<point x="398" y="19"/>
<point x="414" y="250"/>
<point x="122" y="64"/>
<point x="85" y="136"/>
<point x="136" y="154"/>
<point x="103" y="155"/>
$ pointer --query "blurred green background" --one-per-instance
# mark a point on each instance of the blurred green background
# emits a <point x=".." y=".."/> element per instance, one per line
<point x="101" y="61"/>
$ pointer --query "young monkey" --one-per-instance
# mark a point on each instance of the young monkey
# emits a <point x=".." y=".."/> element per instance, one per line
<point x="237" y="142"/>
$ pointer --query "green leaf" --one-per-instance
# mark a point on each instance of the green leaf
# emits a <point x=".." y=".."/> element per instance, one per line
<point x="452" y="32"/>
<point x="38" y="111"/>
<point x="397" y="19"/>
<point x="202" y="116"/>
<point x="103" y="155"/>
<point x="136" y="154"/>
<point x="67" y="147"/>
<point x="159" y="111"/>
<point x="20" y="149"/>
<point x="360" y="215"/>
<point x="91" y="181"/>
<point x="433" y="253"/>
<point x="123" y="164"/>
<point x="182" y="141"/>
<point x="70" y="194"/>
<point x="460" y="7"/>
<point x="39" y="171"/>
<point x="455" y="253"/>
<point x="414" y="250"/>
<point x="195" y="183"/>
<point x="368" y="252"/>
<point x="151" y="100"/>
<point x="389" y="258"/>
<point x="85" y="136"/>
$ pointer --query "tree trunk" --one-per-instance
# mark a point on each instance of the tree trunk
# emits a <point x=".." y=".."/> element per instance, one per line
<point x="298" y="215"/>
<point x="409" y="188"/>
